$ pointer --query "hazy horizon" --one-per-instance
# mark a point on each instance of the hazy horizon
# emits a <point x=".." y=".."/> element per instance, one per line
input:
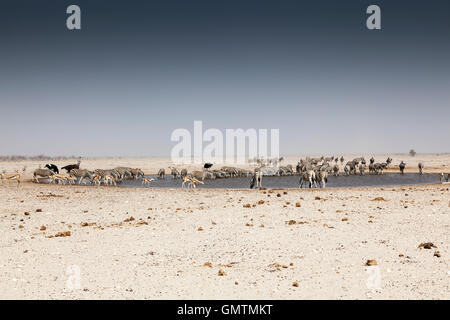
<point x="137" y="70"/>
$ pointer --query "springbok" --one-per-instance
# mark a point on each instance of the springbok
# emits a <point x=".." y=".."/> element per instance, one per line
<point x="146" y="181"/>
<point x="15" y="176"/>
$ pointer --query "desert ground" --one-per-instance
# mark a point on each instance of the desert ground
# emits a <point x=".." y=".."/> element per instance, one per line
<point x="136" y="243"/>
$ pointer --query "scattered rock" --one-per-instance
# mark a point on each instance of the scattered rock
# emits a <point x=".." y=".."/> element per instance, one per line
<point x="247" y="205"/>
<point x="63" y="234"/>
<point x="43" y="228"/>
<point x="208" y="264"/>
<point x="372" y="262"/>
<point x="297" y="204"/>
<point x="221" y="273"/>
<point x="38" y="210"/>
<point x="378" y="199"/>
<point x="200" y="229"/>
<point x="437" y="254"/>
<point x="427" y="245"/>
<point x="295" y="284"/>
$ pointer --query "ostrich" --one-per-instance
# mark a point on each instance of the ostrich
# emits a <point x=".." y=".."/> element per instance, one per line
<point x="52" y="167"/>
<point x="72" y="166"/>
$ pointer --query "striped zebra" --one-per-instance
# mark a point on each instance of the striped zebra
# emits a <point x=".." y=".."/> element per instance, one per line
<point x="137" y="173"/>
<point x="81" y="174"/>
<point x="321" y="178"/>
<point x="174" y="172"/>
<point x="420" y="165"/>
<point x="308" y="176"/>
<point x="102" y="173"/>
<point x="43" y="173"/>
<point x="161" y="173"/>
<point x="124" y="172"/>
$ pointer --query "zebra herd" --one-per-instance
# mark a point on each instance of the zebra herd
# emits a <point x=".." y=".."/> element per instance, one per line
<point x="96" y="177"/>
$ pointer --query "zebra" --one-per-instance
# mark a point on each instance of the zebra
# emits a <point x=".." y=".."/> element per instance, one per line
<point x="388" y="162"/>
<point x="342" y="160"/>
<point x="161" y="173"/>
<point x="256" y="179"/>
<point x="116" y="175"/>
<point x="336" y="170"/>
<point x="362" y="168"/>
<point x="81" y="174"/>
<point x="137" y="173"/>
<point x="420" y="165"/>
<point x="379" y="167"/>
<point x="230" y="170"/>
<point x="124" y="172"/>
<point x="350" y="167"/>
<point x="372" y="160"/>
<point x="183" y="173"/>
<point x="310" y="176"/>
<point x="402" y="166"/>
<point x="197" y="174"/>
<point x="208" y="175"/>
<point x="220" y="174"/>
<point x="174" y="172"/>
<point x="44" y="173"/>
<point x="321" y="178"/>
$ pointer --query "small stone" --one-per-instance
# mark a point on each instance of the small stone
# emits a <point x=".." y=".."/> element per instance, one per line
<point x="371" y="262"/>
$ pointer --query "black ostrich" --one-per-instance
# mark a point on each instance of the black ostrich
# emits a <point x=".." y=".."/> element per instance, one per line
<point x="207" y="165"/>
<point x="72" y="166"/>
<point x="52" y="167"/>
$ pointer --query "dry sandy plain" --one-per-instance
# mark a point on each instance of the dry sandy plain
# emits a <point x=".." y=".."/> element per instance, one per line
<point x="152" y="243"/>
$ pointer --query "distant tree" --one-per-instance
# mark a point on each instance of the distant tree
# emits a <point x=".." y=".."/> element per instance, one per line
<point x="412" y="152"/>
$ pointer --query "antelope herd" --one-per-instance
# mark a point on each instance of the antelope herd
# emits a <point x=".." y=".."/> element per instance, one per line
<point x="311" y="172"/>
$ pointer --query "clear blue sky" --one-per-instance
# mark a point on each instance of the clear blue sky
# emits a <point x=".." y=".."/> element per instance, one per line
<point x="140" y="69"/>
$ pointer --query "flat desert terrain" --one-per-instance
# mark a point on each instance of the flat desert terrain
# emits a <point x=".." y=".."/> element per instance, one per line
<point x="84" y="242"/>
